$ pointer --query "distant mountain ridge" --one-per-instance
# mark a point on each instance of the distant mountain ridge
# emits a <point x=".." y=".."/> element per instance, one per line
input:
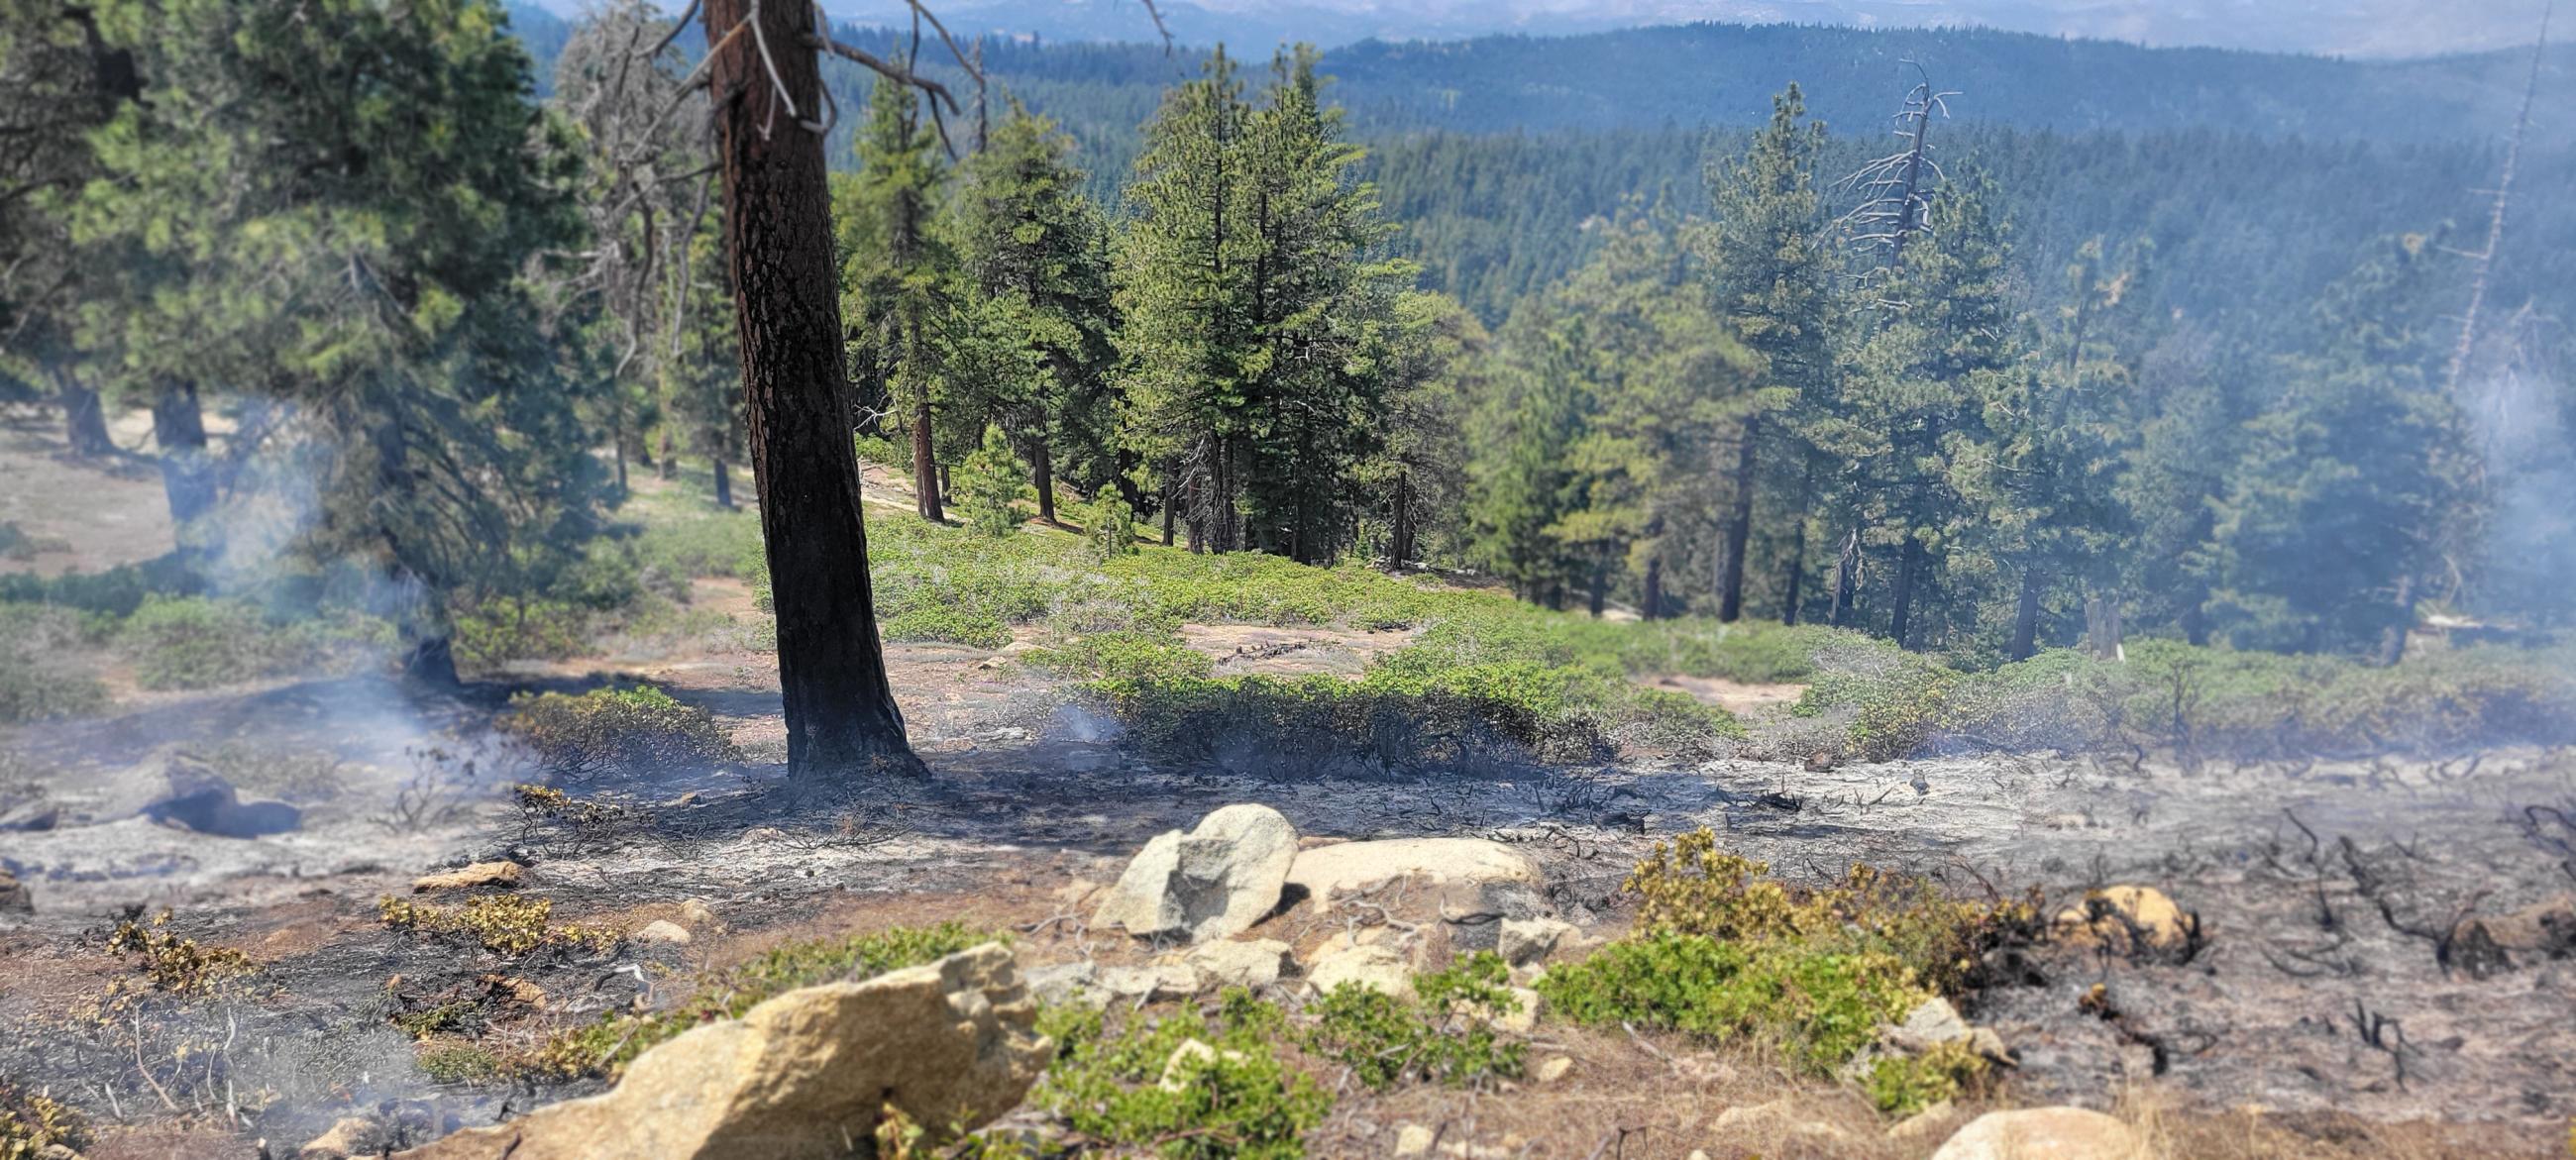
<point x="1725" y="74"/>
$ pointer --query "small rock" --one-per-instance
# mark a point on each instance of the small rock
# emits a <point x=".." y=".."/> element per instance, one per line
<point x="1347" y="868"/>
<point x="347" y="1137"/>
<point x="1189" y="1055"/>
<point x="1521" y="1019"/>
<point x="2043" y="1134"/>
<point x="1698" y="1154"/>
<point x="1412" y="1140"/>
<point x="1524" y="941"/>
<point x="1150" y="983"/>
<point x="1552" y="1070"/>
<point x="1779" y="1115"/>
<point x="2491" y="944"/>
<point x="1210" y="883"/>
<point x="2128" y="920"/>
<point x="1375" y="967"/>
<point x="697" y="915"/>
<point x="1922" y="1123"/>
<point x="14" y="895"/>
<point x="950" y="1045"/>
<point x="1933" y="1023"/>
<point x="1253" y="964"/>
<point x="1075" y="982"/>
<point x="662" y="932"/>
<point x="502" y="875"/>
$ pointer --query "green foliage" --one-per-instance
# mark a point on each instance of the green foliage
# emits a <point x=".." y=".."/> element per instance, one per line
<point x="496" y="632"/>
<point x="633" y="730"/>
<point x="199" y="643"/>
<point x="1123" y="656"/>
<point x="988" y="486"/>
<point x="1108" y="526"/>
<point x="604" y="1047"/>
<point x="1723" y="951"/>
<point x="1901" y="1085"/>
<point x="1441" y="1035"/>
<point x="38" y="679"/>
<point x="1237" y="1102"/>
<point x="947" y="626"/>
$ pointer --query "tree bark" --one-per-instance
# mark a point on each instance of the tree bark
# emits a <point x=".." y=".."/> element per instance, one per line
<point x="724" y="482"/>
<point x="187" y="472"/>
<point x="1399" y="539"/>
<point x="840" y="710"/>
<point x="1597" y="599"/>
<point x="1846" y="581"/>
<point x="1654" y="594"/>
<point x="2392" y="642"/>
<point x="1739" y="526"/>
<point x="1042" y="477"/>
<point x="84" y="419"/>
<point x="662" y="466"/>
<point x="1908" y="569"/>
<point x="2025" y="637"/>
<point x="925" y="468"/>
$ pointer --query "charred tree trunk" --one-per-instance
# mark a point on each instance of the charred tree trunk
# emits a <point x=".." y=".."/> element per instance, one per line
<point x="724" y="481"/>
<point x="1654" y="594"/>
<point x="1399" y="538"/>
<point x="1041" y="471"/>
<point x="187" y="472"/>
<point x="2025" y="637"/>
<point x="1796" y="586"/>
<point x="1597" y="598"/>
<point x="1909" y="570"/>
<point x="1739" y="526"/>
<point x="841" y="713"/>
<point x="1847" y="581"/>
<point x="84" y="418"/>
<point x="2392" y="642"/>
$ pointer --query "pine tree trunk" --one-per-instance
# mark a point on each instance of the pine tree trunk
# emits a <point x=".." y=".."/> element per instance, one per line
<point x="1908" y="569"/>
<point x="662" y="466"/>
<point x="1739" y="526"/>
<point x="1597" y="600"/>
<point x="2392" y="642"/>
<point x="841" y="713"/>
<point x="925" y="472"/>
<point x="1654" y="594"/>
<point x="84" y="419"/>
<point x="187" y="472"/>
<point x="1795" y="589"/>
<point x="1399" y="539"/>
<point x="1042" y="477"/>
<point x="1846" y="581"/>
<point x="724" y="482"/>
<point x="2025" y="637"/>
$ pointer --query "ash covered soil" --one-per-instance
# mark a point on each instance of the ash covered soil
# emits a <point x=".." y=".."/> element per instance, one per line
<point x="2329" y="1005"/>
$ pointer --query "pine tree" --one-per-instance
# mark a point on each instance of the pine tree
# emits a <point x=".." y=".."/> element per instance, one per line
<point x="989" y="486"/>
<point x="1034" y="252"/>
<point x="900" y="280"/>
<point x="1770" y="265"/>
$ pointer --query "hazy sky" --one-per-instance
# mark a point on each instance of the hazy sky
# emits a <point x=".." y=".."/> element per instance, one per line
<point x="2355" y="27"/>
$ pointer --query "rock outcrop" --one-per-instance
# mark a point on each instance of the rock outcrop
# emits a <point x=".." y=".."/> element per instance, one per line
<point x="2043" y="1134"/>
<point x="2486" y="945"/>
<point x="1213" y="882"/>
<point x="1478" y="884"/>
<point x="949" y="1044"/>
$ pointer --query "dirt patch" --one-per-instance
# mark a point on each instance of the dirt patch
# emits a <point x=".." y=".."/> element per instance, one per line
<point x="78" y="513"/>
<point x="1737" y="697"/>
<point x="1248" y="649"/>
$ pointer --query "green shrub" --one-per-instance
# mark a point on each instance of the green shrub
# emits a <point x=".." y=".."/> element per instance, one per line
<point x="637" y="729"/>
<point x="1441" y="1035"/>
<point x="1239" y="1101"/>
<point x="945" y="626"/>
<point x="40" y="675"/>
<point x="1820" y="1007"/>
<point x="115" y="592"/>
<point x="193" y="642"/>
<point x="605" y="1046"/>
<point x="1123" y="656"/>
<point x="1901" y="1085"/>
<point x="499" y="631"/>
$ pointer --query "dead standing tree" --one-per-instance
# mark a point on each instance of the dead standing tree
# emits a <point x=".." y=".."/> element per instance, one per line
<point x="2484" y="260"/>
<point x="1895" y="205"/>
